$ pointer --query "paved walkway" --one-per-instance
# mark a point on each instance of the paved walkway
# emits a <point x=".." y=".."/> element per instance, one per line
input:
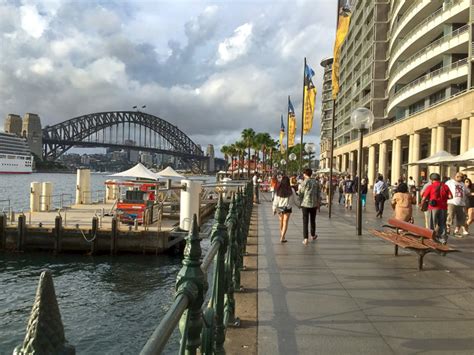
<point x="348" y="294"/>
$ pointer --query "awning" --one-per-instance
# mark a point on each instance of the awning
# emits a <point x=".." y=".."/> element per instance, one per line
<point x="139" y="171"/>
<point x="441" y="157"/>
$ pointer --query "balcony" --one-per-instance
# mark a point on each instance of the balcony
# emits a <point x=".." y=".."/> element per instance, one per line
<point x="437" y="18"/>
<point x="416" y="7"/>
<point x="434" y="49"/>
<point x="416" y="89"/>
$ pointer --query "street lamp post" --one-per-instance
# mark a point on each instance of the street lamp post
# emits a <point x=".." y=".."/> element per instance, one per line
<point x="292" y="157"/>
<point x="309" y="148"/>
<point x="361" y="119"/>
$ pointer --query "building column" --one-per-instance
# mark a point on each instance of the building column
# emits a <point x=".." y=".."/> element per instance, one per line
<point x="415" y="156"/>
<point x="471" y="134"/>
<point x="352" y="162"/>
<point x="440" y="138"/>
<point x="371" y="166"/>
<point x="396" y="160"/>
<point x="344" y="163"/>
<point x="338" y="163"/>
<point x="465" y="135"/>
<point x="383" y="159"/>
<point x="410" y="156"/>
<point x="433" y="150"/>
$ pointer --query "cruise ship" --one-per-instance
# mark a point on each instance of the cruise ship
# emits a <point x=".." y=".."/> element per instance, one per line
<point x="15" y="155"/>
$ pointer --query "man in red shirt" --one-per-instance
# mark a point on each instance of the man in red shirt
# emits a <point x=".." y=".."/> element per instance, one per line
<point x="437" y="195"/>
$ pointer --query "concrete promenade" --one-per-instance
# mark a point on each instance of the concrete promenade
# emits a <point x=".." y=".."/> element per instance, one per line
<point x="349" y="294"/>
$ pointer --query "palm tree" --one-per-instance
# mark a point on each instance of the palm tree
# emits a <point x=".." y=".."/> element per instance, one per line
<point x="240" y="146"/>
<point x="225" y="150"/>
<point x="233" y="153"/>
<point x="248" y="136"/>
<point x="258" y="143"/>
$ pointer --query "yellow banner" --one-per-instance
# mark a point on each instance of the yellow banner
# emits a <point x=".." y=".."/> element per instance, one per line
<point x="291" y="130"/>
<point x="342" y="29"/>
<point x="309" y="102"/>
<point x="282" y="146"/>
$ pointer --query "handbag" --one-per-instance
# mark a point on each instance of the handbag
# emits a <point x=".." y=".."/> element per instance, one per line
<point x="424" y="205"/>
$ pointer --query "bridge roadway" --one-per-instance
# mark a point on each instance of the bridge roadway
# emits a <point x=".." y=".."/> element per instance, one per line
<point x="345" y="294"/>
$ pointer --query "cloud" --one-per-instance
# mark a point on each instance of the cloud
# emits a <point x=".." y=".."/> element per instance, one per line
<point x="210" y="70"/>
<point x="236" y="46"/>
<point x="32" y="22"/>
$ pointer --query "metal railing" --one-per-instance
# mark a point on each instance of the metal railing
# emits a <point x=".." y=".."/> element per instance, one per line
<point x="430" y="46"/>
<point x="429" y="76"/>
<point x="204" y="326"/>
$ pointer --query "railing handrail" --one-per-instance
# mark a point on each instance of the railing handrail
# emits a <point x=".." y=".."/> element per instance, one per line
<point x="429" y="76"/>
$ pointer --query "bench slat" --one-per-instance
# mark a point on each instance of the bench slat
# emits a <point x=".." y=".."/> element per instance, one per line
<point x="400" y="240"/>
<point x="412" y="228"/>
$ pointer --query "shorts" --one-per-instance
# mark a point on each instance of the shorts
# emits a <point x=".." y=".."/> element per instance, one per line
<point x="282" y="210"/>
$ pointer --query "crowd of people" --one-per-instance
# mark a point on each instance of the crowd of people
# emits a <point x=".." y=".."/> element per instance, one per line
<point x="448" y="204"/>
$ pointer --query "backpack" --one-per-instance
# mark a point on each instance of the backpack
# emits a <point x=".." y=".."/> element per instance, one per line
<point x="384" y="191"/>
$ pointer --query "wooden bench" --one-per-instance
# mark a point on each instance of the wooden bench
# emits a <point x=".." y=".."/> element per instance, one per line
<point x="411" y="237"/>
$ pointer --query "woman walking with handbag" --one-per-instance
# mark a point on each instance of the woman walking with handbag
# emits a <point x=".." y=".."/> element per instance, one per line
<point x="285" y="198"/>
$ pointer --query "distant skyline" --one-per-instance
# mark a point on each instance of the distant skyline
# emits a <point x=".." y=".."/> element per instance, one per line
<point x="212" y="68"/>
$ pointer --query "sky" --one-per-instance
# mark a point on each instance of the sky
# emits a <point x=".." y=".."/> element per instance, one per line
<point x="212" y="68"/>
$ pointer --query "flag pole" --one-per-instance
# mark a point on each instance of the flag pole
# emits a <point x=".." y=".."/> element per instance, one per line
<point x="287" y="134"/>
<point x="302" y="117"/>
<point x="331" y="158"/>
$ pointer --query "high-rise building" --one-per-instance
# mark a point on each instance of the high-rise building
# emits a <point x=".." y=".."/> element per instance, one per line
<point x="410" y="62"/>
<point x="211" y="167"/>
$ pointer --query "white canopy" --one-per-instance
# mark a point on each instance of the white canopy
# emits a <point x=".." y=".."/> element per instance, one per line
<point x="441" y="157"/>
<point x="138" y="171"/>
<point x="170" y="173"/>
<point x="467" y="157"/>
<point x="327" y="171"/>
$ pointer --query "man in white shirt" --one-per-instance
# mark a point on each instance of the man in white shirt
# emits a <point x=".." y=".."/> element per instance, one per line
<point x="457" y="205"/>
<point x="380" y="195"/>
<point x="256" y="187"/>
<point x="411" y="183"/>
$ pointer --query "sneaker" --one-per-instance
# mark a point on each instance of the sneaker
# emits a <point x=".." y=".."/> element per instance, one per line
<point x="456" y="231"/>
<point x="314" y="237"/>
<point x="464" y="232"/>
<point x="305" y="241"/>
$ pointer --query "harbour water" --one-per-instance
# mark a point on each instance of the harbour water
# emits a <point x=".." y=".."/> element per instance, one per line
<point x="109" y="305"/>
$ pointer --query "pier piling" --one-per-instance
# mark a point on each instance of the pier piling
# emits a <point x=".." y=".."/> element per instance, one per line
<point x="58" y="232"/>
<point x="113" y="236"/>
<point x="3" y="232"/>
<point x="94" y="230"/>
<point x="21" y="232"/>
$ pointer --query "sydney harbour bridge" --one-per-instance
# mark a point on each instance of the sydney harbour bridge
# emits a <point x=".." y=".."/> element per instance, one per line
<point x="121" y="129"/>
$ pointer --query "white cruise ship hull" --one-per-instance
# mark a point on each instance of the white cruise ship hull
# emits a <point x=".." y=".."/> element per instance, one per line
<point x="14" y="164"/>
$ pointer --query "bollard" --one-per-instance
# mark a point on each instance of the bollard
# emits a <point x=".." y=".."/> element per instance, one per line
<point x="83" y="187"/>
<point x="46" y="196"/>
<point x="58" y="233"/>
<point x="35" y="193"/>
<point x="190" y="203"/>
<point x="45" y="330"/>
<point x="135" y="224"/>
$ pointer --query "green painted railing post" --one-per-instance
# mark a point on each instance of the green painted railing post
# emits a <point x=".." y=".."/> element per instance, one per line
<point x="214" y="337"/>
<point x="231" y="222"/>
<point x="239" y="239"/>
<point x="192" y="282"/>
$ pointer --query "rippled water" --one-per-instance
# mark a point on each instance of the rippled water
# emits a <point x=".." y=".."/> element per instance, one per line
<point x="109" y="305"/>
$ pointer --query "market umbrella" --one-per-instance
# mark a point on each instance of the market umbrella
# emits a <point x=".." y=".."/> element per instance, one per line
<point x="139" y="171"/>
<point x="466" y="157"/>
<point x="170" y="173"/>
<point x="441" y="157"/>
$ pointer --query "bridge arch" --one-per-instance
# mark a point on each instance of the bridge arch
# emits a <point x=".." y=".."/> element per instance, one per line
<point x="61" y="137"/>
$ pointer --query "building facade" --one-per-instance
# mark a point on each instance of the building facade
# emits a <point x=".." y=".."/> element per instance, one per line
<point x="410" y="62"/>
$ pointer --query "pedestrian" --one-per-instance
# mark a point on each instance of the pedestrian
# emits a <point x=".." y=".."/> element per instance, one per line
<point x="310" y="197"/>
<point x="381" y="194"/>
<point x="256" y="188"/>
<point x="363" y="192"/>
<point x="341" y="191"/>
<point x="285" y="199"/>
<point x="294" y="182"/>
<point x="469" y="202"/>
<point x="411" y="183"/>
<point x="348" y="191"/>
<point x="402" y="204"/>
<point x="426" y="213"/>
<point x="436" y="196"/>
<point x="457" y="206"/>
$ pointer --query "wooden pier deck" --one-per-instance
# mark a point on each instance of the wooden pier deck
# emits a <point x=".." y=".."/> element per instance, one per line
<point x="91" y="229"/>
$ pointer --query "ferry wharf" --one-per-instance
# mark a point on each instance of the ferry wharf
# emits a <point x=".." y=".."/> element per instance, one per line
<point x="349" y="294"/>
